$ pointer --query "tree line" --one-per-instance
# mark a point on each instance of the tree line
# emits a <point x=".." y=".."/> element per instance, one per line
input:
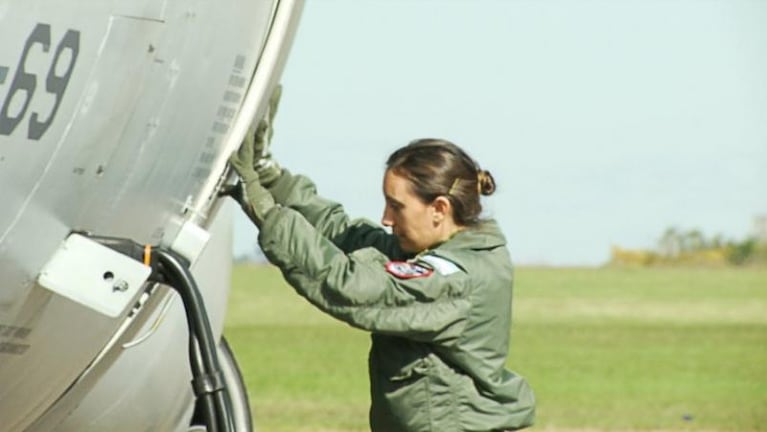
<point x="693" y="247"/>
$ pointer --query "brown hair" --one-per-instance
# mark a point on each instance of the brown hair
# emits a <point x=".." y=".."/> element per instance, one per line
<point x="436" y="168"/>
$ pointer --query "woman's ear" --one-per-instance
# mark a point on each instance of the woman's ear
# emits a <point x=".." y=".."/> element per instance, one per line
<point x="442" y="209"/>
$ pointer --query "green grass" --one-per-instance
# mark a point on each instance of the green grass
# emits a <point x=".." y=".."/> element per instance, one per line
<point x="604" y="349"/>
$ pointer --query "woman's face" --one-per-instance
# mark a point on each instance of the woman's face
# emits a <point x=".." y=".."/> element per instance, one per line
<point x="411" y="221"/>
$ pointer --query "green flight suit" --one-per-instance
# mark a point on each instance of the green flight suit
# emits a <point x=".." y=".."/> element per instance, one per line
<point x="439" y="322"/>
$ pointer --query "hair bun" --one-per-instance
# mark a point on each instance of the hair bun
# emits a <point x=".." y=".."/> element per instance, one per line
<point x="486" y="182"/>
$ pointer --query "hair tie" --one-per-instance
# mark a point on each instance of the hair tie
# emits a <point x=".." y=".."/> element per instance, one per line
<point x="480" y="176"/>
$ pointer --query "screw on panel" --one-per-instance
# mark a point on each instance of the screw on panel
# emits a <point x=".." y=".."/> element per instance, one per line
<point x="120" y="285"/>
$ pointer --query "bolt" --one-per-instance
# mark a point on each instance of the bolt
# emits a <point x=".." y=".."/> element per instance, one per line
<point x="120" y="285"/>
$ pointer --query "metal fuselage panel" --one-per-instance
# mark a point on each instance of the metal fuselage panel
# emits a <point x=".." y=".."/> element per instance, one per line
<point x="112" y="114"/>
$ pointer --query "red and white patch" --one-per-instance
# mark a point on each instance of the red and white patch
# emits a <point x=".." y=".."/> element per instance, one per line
<point x="406" y="270"/>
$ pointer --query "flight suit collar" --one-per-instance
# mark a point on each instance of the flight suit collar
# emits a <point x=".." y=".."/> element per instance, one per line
<point x="486" y="235"/>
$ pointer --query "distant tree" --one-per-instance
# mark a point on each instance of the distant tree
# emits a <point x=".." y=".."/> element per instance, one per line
<point x="693" y="241"/>
<point x="691" y="247"/>
<point x="717" y="242"/>
<point x="739" y="253"/>
<point x="670" y="243"/>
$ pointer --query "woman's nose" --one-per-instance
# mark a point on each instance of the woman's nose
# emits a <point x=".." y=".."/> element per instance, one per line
<point x="386" y="219"/>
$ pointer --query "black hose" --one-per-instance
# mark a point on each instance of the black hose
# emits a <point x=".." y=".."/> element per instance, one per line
<point x="205" y="401"/>
<point x="172" y="269"/>
<point x="182" y="280"/>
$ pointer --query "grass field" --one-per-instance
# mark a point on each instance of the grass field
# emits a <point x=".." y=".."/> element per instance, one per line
<point x="604" y="349"/>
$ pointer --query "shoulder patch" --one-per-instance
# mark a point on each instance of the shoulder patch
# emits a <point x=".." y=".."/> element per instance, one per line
<point x="407" y="270"/>
<point x="441" y="265"/>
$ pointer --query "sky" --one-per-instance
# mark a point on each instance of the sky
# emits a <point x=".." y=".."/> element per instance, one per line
<point x="602" y="122"/>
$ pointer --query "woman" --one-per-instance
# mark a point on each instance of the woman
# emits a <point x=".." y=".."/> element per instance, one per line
<point x="435" y="294"/>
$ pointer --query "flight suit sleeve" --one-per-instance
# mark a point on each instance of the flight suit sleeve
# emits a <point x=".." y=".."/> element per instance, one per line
<point x="356" y="288"/>
<point x="329" y="218"/>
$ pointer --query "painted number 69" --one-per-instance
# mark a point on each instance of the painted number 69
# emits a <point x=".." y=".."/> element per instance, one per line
<point x="24" y="83"/>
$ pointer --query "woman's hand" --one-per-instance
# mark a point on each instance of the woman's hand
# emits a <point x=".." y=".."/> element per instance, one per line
<point x="267" y="168"/>
<point x="253" y="197"/>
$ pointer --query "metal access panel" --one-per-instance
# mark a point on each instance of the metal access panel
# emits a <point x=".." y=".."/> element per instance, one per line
<point x="94" y="275"/>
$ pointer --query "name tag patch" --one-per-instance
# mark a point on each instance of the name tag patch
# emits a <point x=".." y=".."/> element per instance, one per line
<point x="406" y="270"/>
<point x="441" y="265"/>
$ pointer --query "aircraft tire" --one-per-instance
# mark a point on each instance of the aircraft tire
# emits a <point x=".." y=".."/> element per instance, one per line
<point x="243" y="421"/>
